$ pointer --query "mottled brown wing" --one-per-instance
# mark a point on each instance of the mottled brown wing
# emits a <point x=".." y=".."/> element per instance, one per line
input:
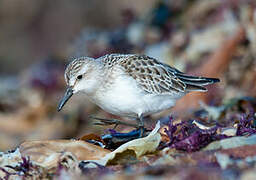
<point x="153" y="76"/>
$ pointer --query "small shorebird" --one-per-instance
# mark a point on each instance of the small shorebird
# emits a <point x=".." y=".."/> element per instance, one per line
<point x="129" y="85"/>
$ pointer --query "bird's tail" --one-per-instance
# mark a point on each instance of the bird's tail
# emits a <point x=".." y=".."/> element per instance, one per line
<point x="194" y="83"/>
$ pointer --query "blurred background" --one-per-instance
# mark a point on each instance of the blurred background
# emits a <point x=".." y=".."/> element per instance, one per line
<point x="38" y="39"/>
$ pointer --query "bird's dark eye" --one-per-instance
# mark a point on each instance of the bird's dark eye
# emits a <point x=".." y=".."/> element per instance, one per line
<point x="79" y="77"/>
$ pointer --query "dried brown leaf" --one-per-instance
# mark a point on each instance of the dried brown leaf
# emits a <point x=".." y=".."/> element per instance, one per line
<point x="47" y="153"/>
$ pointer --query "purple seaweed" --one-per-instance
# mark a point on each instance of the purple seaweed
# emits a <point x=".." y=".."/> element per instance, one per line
<point x="190" y="138"/>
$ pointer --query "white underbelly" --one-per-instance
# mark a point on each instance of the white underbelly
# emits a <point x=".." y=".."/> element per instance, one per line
<point x="157" y="103"/>
<point x="126" y="99"/>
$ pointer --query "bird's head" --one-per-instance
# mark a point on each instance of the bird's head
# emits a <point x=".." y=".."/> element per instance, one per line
<point x="81" y="76"/>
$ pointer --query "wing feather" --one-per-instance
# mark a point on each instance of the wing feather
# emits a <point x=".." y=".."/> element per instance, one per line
<point x="155" y="77"/>
<point x="152" y="75"/>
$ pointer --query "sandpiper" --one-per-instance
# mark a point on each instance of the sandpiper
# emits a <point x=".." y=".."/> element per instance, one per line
<point x="129" y="85"/>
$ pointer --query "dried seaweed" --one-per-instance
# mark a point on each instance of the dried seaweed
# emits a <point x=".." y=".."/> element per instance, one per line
<point x="188" y="137"/>
<point x="246" y="125"/>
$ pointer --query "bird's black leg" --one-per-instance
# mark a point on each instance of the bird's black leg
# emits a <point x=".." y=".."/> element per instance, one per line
<point x="141" y="125"/>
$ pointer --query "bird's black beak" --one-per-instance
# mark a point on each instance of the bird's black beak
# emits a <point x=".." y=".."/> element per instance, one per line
<point x="65" y="98"/>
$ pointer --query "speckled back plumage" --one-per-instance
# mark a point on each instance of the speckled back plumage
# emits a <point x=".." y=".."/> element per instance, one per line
<point x="155" y="77"/>
<point x="152" y="76"/>
<point x="110" y="60"/>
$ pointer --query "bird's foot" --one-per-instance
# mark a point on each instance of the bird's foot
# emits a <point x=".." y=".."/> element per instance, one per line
<point x="114" y="140"/>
